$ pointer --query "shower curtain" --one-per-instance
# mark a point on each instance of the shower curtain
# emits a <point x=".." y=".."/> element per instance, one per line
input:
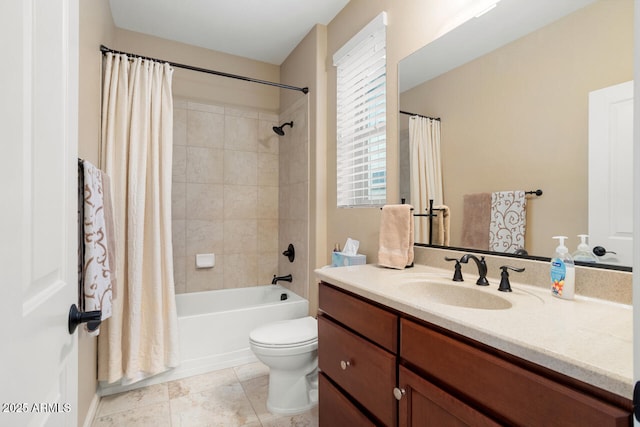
<point x="426" y="170"/>
<point x="141" y="338"/>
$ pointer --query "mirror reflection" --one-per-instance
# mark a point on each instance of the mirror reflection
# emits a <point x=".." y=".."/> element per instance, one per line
<point x="520" y="93"/>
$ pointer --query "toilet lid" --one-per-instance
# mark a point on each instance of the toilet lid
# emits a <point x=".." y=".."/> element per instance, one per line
<point x="286" y="332"/>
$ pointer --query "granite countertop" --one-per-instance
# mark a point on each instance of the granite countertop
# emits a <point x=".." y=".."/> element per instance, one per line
<point x="585" y="338"/>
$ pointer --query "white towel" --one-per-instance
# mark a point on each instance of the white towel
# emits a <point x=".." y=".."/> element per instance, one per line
<point x="98" y="282"/>
<point x="508" y="221"/>
<point x="396" y="236"/>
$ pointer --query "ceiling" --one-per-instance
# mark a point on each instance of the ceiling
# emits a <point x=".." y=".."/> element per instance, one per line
<point x="257" y="29"/>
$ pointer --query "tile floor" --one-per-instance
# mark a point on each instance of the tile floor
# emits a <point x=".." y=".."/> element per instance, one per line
<point x="228" y="398"/>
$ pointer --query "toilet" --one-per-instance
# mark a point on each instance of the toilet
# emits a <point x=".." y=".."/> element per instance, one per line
<point x="290" y="349"/>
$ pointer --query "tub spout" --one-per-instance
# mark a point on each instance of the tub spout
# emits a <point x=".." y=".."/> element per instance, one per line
<point x="276" y="279"/>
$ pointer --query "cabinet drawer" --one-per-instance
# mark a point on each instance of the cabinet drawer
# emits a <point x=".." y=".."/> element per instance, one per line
<point x="375" y="323"/>
<point x="335" y="409"/>
<point x="518" y="395"/>
<point x="364" y="370"/>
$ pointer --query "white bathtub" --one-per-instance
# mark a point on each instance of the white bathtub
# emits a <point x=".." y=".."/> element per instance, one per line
<point x="214" y="327"/>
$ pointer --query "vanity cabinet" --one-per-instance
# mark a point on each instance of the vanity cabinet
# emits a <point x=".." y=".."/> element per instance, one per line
<point x="499" y="387"/>
<point x="370" y="355"/>
<point x="357" y="345"/>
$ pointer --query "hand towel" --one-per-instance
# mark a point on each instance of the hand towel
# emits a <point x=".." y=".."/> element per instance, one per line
<point x="396" y="236"/>
<point x="98" y="283"/>
<point x="476" y="219"/>
<point x="508" y="221"/>
<point x="441" y="225"/>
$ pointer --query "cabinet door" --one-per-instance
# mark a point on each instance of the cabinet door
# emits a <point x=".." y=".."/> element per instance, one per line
<point x="424" y="404"/>
<point x="365" y="371"/>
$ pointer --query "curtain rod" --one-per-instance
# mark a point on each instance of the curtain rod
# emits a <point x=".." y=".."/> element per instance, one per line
<point x="420" y="115"/>
<point x="304" y="90"/>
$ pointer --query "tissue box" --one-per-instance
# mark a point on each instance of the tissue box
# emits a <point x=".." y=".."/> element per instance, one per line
<point x="338" y="259"/>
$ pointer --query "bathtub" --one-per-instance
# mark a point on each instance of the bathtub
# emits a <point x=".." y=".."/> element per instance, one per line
<point x="214" y="327"/>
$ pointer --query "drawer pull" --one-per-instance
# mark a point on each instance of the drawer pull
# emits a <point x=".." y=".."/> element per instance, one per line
<point x="344" y="364"/>
<point x="398" y="393"/>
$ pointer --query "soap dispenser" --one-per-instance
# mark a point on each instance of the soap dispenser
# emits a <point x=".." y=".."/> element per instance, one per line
<point x="562" y="272"/>
<point x="583" y="253"/>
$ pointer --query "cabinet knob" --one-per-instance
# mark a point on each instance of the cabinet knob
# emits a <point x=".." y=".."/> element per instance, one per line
<point x="398" y="393"/>
<point x="344" y="364"/>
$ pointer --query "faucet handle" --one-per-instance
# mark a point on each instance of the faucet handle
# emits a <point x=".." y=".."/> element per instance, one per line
<point x="457" y="275"/>
<point x="505" y="286"/>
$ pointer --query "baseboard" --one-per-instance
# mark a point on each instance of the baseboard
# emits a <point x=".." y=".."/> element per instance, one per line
<point x="93" y="409"/>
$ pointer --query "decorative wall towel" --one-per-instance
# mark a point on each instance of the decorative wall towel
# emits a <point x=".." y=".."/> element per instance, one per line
<point x="441" y="225"/>
<point x="508" y="221"/>
<point x="396" y="236"/>
<point x="476" y="219"/>
<point x="98" y="283"/>
<point x="111" y="232"/>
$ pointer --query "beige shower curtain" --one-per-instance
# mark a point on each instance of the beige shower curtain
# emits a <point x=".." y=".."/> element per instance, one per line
<point x="141" y="338"/>
<point x="426" y="170"/>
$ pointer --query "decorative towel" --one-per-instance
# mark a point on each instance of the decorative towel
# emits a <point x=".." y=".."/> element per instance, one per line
<point x="396" y="237"/>
<point x="441" y="225"/>
<point x="508" y="221"/>
<point x="476" y="219"/>
<point x="99" y="260"/>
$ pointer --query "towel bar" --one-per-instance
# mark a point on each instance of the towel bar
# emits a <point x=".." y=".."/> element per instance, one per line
<point x="77" y="317"/>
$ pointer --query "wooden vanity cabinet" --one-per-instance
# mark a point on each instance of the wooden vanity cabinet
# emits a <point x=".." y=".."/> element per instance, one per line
<point x="357" y="342"/>
<point x="367" y="353"/>
<point x="509" y="392"/>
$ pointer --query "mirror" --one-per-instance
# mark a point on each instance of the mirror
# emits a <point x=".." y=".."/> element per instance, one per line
<point x="512" y="90"/>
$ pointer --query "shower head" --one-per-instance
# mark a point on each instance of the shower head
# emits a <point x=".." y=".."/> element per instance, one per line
<point x="280" y="129"/>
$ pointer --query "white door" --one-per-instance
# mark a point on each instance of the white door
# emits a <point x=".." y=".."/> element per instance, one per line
<point x="611" y="172"/>
<point x="38" y="169"/>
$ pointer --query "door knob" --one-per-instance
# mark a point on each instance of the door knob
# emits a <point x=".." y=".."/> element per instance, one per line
<point x="77" y="317"/>
<point x="600" y="251"/>
<point x="398" y="393"/>
<point x="344" y="364"/>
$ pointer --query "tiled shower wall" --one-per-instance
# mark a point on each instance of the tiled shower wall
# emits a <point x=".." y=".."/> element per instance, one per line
<point x="294" y="195"/>
<point x="225" y="196"/>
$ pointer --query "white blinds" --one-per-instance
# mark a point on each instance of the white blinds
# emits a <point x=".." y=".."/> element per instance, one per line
<point x="361" y="117"/>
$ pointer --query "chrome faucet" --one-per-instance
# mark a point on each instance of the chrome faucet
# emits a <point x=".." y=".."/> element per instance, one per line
<point x="287" y="278"/>
<point x="482" y="268"/>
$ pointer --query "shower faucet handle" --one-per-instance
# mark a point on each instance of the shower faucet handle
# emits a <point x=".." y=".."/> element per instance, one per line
<point x="290" y="252"/>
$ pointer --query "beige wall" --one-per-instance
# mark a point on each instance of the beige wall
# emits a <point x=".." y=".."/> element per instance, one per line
<point x="96" y="27"/>
<point x="206" y="87"/>
<point x="411" y="24"/>
<point x="305" y="67"/>
<point x="517" y="118"/>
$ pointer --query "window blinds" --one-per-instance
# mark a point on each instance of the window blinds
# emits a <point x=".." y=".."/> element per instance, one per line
<point x="361" y="117"/>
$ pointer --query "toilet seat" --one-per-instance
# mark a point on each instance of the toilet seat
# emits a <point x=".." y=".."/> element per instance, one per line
<point x="286" y="334"/>
<point x="290" y="349"/>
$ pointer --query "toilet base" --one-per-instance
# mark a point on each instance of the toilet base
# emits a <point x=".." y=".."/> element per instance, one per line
<point x="292" y="394"/>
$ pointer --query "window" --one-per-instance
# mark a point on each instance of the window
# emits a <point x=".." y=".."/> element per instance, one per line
<point x="362" y="116"/>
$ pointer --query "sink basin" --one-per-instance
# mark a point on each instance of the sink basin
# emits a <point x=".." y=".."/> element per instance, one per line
<point x="452" y="294"/>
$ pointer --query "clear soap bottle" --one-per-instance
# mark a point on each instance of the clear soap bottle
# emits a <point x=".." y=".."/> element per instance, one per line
<point x="584" y="253"/>
<point x="563" y="272"/>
